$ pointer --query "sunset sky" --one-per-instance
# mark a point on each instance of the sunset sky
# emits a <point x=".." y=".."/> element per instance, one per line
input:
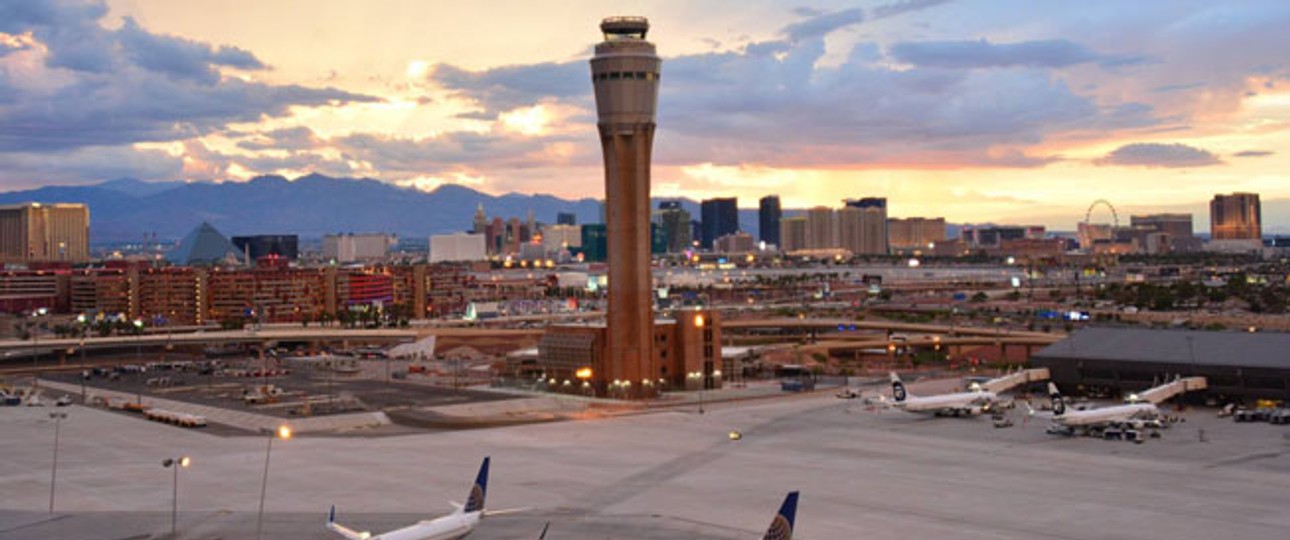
<point x="1008" y="111"/>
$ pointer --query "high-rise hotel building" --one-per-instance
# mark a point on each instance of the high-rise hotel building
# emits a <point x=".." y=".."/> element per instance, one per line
<point x="1238" y="216"/>
<point x="38" y="232"/>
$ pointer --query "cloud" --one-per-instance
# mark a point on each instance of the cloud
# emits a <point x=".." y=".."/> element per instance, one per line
<point x="1056" y="53"/>
<point x="179" y="57"/>
<point x="292" y="138"/>
<point x="146" y="109"/>
<point x="906" y="6"/>
<point x="10" y="43"/>
<point x="807" y="11"/>
<point x="69" y="29"/>
<point x="1177" y="87"/>
<point x="734" y="107"/>
<point x="401" y="157"/>
<point x="1159" y="155"/>
<point x="741" y="104"/>
<point x="26" y="170"/>
<point x="508" y="87"/>
<point x="823" y="24"/>
<point x="92" y="86"/>
<point x="1254" y="153"/>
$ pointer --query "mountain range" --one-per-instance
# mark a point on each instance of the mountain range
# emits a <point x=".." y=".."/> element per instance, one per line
<point x="311" y="206"/>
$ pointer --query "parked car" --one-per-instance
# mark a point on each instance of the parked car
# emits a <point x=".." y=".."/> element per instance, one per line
<point x="1280" y="416"/>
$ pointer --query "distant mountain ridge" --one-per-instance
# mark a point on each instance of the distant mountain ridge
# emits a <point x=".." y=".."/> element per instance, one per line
<point x="311" y="206"/>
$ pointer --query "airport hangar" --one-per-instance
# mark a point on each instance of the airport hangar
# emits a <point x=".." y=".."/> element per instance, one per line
<point x="1239" y="366"/>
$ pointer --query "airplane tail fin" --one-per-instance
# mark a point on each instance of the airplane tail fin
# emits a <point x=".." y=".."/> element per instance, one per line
<point x="1059" y="405"/>
<point x="781" y="528"/>
<point x="475" y="501"/>
<point x="898" y="392"/>
<point x="348" y="533"/>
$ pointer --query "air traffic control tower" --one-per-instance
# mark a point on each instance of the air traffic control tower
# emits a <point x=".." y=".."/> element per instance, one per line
<point x="625" y="72"/>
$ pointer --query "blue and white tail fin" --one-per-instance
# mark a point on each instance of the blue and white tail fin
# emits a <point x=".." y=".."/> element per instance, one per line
<point x="781" y="528"/>
<point x="898" y="391"/>
<point x="1059" y="405"/>
<point x="475" y="501"/>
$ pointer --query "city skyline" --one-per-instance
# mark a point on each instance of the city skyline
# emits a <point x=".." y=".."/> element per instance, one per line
<point x="1020" y="113"/>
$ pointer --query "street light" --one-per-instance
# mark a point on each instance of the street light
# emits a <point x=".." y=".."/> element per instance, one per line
<point x="282" y="432"/>
<point x="36" y="314"/>
<point x="138" y="357"/>
<point x="181" y="462"/>
<point x="80" y="320"/>
<point x="584" y="374"/>
<point x="53" y="470"/>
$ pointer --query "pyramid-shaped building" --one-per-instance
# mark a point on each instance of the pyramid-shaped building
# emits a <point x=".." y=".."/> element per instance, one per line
<point x="204" y="246"/>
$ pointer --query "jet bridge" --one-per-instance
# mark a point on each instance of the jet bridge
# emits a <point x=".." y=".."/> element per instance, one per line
<point x="1165" y="391"/>
<point x="1013" y="380"/>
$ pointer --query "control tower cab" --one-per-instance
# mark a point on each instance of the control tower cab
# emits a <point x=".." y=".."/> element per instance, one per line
<point x="625" y="72"/>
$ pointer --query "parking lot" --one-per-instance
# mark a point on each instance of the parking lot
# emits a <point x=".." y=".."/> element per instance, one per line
<point x="284" y="392"/>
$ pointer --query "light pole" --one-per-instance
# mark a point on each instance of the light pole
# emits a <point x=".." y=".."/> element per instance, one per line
<point x="699" y="322"/>
<point x="584" y="375"/>
<point x="36" y="314"/>
<point x="80" y="320"/>
<point x="181" y="462"/>
<point x="138" y="357"/>
<point x="53" y="470"/>
<point x="703" y="384"/>
<point x="283" y="432"/>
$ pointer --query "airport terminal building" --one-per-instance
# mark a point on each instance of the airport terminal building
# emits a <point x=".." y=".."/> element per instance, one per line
<point x="1242" y="366"/>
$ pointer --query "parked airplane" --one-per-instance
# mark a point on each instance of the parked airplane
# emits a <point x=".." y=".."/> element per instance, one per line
<point x="981" y="398"/>
<point x="1139" y="410"/>
<point x="781" y="528"/>
<point x="456" y="525"/>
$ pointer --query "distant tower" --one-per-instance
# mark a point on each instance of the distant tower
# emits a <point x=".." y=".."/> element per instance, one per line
<point x="1238" y="216"/>
<point x="481" y="220"/>
<point x="720" y="217"/>
<point x="625" y="73"/>
<point x="768" y="216"/>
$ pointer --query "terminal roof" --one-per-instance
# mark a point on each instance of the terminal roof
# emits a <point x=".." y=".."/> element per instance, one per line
<point x="1233" y="349"/>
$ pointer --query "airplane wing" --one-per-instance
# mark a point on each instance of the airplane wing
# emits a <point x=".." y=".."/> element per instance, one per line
<point x="344" y="531"/>
<point x="505" y="511"/>
<point x="1031" y="411"/>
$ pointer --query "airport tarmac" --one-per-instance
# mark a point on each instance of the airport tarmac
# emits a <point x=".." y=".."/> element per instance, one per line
<point x="671" y="474"/>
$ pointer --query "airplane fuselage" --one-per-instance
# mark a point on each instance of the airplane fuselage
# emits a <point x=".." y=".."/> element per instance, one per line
<point x="450" y="527"/>
<point x="957" y="403"/>
<point x="1108" y="415"/>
